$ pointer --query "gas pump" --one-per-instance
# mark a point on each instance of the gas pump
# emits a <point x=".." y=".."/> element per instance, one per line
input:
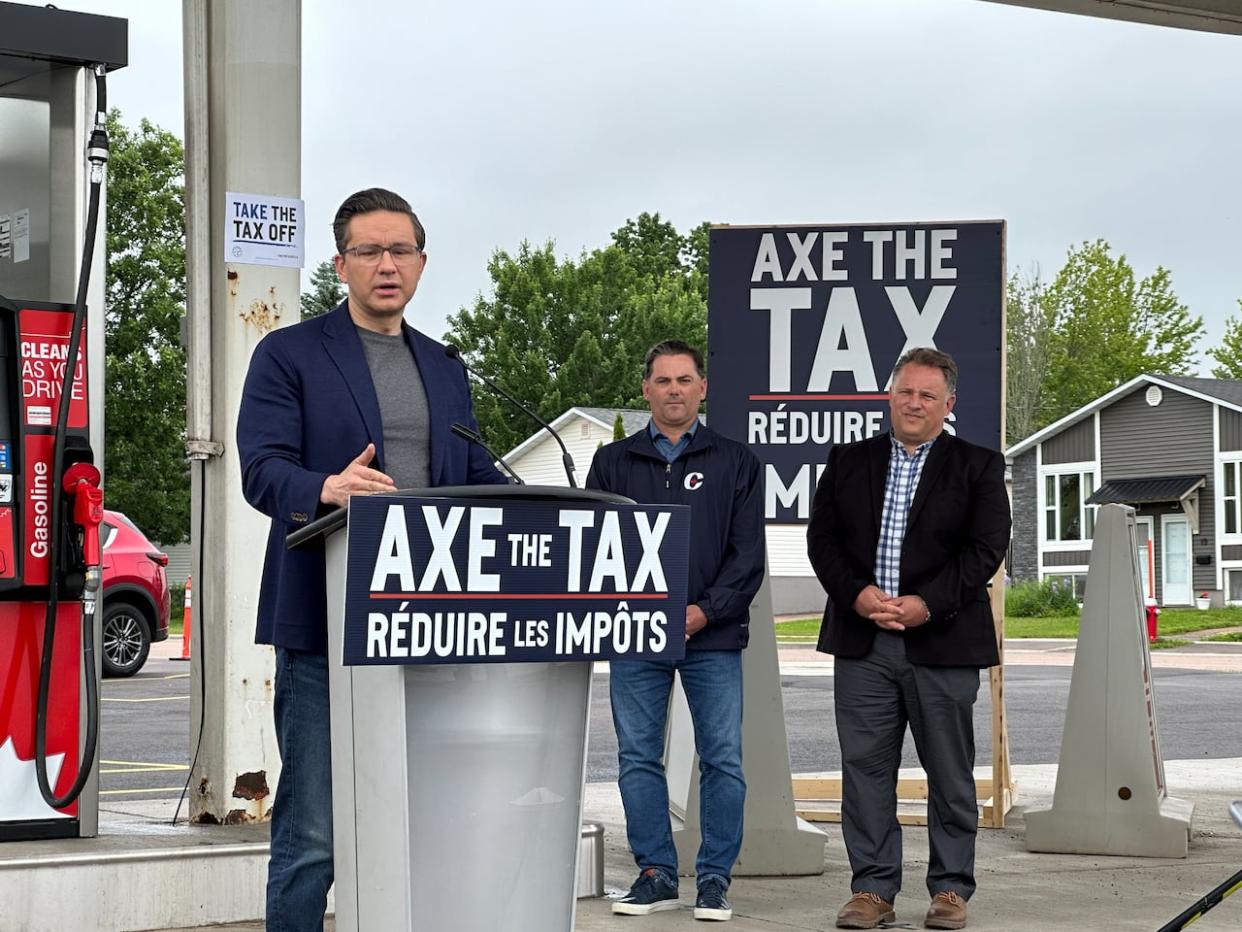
<point x="53" y="149"/>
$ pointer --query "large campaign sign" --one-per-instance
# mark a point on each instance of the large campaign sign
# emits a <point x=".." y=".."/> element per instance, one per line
<point x="452" y="580"/>
<point x="805" y="324"/>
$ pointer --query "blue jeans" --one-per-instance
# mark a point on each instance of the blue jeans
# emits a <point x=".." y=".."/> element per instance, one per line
<point x="299" y="873"/>
<point x="712" y="681"/>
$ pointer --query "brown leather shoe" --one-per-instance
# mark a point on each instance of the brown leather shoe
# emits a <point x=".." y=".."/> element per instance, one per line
<point x="947" y="911"/>
<point x="865" y="911"/>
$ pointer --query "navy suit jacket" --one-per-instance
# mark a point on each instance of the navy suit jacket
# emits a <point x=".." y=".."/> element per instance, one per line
<point x="956" y="535"/>
<point x="307" y="409"/>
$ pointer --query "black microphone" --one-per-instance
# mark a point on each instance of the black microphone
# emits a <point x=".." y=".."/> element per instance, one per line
<point x="452" y="352"/>
<point x="461" y="430"/>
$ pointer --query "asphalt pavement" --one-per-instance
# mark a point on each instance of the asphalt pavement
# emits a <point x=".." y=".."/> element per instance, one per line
<point x="145" y="735"/>
<point x="1199" y="705"/>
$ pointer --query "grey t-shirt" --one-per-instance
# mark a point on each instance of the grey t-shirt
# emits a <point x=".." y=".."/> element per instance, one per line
<point x="403" y="408"/>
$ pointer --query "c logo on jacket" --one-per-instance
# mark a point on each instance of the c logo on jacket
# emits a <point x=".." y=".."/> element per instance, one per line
<point x="693" y="481"/>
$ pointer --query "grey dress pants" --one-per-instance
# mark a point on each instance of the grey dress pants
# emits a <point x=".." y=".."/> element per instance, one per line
<point x="875" y="697"/>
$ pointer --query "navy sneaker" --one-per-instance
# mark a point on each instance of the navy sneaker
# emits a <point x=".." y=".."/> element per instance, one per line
<point x="711" y="903"/>
<point x="650" y="893"/>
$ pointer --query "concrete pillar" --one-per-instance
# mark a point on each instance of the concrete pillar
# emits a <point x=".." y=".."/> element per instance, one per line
<point x="243" y="134"/>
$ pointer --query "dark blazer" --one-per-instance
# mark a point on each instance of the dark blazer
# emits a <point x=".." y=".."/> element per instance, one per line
<point x="307" y="409"/>
<point x="956" y="536"/>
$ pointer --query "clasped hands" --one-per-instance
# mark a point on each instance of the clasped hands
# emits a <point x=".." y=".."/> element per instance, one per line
<point x="892" y="613"/>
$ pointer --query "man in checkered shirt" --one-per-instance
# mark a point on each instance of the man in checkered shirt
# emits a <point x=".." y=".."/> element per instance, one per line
<point x="906" y="530"/>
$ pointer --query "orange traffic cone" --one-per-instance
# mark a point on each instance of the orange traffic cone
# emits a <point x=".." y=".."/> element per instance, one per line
<point x="188" y="625"/>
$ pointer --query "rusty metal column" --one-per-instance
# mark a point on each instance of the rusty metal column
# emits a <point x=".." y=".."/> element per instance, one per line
<point x="243" y="134"/>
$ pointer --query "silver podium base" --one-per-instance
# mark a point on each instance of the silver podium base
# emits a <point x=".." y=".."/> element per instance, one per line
<point x="457" y="790"/>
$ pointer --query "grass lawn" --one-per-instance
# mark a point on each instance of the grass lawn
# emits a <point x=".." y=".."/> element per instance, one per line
<point x="1172" y="621"/>
<point x="1231" y="636"/>
<point x="804" y="629"/>
<point x="176" y="611"/>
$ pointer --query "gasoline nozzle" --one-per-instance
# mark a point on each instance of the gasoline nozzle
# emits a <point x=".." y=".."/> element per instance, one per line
<point x="82" y="482"/>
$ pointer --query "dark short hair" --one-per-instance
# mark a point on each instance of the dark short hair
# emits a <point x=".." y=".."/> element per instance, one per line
<point x="932" y="358"/>
<point x="367" y="202"/>
<point x="674" y="348"/>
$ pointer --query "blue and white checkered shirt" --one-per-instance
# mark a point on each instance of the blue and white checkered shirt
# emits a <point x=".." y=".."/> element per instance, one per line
<point x="904" y="470"/>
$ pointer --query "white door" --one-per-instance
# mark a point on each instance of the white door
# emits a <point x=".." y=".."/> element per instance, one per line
<point x="1175" y="565"/>
<point x="1146" y="541"/>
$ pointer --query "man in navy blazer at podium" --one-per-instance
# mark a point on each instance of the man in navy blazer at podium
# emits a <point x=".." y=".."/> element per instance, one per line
<point x="354" y="402"/>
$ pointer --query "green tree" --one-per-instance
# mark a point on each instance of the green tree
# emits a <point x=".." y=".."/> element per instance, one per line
<point x="147" y="474"/>
<point x="618" y="428"/>
<point x="564" y="332"/>
<point x="1106" y="328"/>
<point x="1229" y="354"/>
<point x="1026" y="364"/>
<point x="326" y="291"/>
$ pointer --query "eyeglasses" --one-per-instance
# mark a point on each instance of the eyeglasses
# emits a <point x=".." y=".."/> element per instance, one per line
<point x="370" y="253"/>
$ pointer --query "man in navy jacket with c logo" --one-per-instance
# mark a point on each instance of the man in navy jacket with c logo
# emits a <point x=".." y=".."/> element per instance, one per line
<point x="677" y="460"/>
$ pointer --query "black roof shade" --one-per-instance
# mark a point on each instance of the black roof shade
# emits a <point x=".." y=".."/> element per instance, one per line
<point x="1142" y="491"/>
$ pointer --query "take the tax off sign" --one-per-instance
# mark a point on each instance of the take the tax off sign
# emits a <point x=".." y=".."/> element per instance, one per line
<point x="805" y="324"/>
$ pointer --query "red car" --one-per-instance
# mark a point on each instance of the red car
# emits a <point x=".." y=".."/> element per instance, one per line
<point x="135" y="595"/>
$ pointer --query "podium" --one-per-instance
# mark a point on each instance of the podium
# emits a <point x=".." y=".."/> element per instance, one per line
<point x="457" y="786"/>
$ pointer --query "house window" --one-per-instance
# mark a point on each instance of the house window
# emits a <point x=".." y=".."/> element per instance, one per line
<point x="1233" y="587"/>
<point x="1232" y="482"/>
<point x="1066" y="514"/>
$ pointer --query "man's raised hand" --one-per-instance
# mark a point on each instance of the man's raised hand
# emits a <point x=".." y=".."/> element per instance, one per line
<point x="356" y="478"/>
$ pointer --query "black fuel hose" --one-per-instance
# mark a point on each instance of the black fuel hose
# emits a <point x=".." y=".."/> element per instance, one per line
<point x="97" y="154"/>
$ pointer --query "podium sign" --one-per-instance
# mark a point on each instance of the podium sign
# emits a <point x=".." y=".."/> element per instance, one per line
<point x="459" y="580"/>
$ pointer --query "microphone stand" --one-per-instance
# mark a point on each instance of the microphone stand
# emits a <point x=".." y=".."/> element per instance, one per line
<point x="452" y="352"/>
<point x="461" y="430"/>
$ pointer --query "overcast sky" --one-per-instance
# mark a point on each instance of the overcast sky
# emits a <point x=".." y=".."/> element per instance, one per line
<point x="552" y="119"/>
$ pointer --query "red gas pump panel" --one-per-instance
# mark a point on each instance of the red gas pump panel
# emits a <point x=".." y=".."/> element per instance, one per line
<point x="34" y="352"/>
<point x="34" y="357"/>
<point x="21" y="642"/>
<point x="44" y="350"/>
<point x="38" y="507"/>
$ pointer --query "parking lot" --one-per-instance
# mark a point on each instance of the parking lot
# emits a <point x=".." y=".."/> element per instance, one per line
<point x="144" y="742"/>
<point x="144" y="730"/>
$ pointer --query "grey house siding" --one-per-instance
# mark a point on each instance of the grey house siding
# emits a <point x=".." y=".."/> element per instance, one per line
<point x="1067" y="558"/>
<point x="1075" y="444"/>
<point x="1230" y="430"/>
<point x="1139" y="440"/>
<point x="1231" y="552"/>
<point x="180" y="558"/>
<point x="1025" y="560"/>
<point x="1175" y="437"/>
